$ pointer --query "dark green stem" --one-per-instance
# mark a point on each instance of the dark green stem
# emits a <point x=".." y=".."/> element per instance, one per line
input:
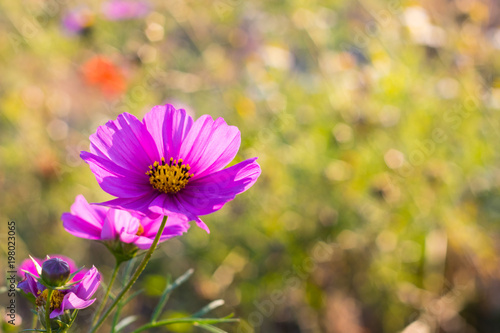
<point x="138" y="272"/>
<point x="47" y="311"/>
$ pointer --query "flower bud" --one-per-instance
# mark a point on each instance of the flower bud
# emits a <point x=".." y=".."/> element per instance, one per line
<point x="55" y="272"/>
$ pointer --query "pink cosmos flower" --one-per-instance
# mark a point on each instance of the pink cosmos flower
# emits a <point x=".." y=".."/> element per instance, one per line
<point x="125" y="9"/>
<point x="108" y="224"/>
<point x="76" y="296"/>
<point x="169" y="164"/>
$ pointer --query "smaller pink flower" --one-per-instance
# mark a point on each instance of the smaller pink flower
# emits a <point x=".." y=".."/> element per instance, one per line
<point x="76" y="296"/>
<point x="109" y="225"/>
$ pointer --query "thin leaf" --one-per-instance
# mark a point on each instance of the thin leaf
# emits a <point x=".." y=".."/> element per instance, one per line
<point x="128" y="271"/>
<point x="37" y="266"/>
<point x="125" y="322"/>
<point x="166" y="293"/>
<point x="33" y="330"/>
<point x="132" y="296"/>
<point x="210" y="328"/>
<point x="120" y="307"/>
<point x="207" y="308"/>
<point x="74" y="273"/>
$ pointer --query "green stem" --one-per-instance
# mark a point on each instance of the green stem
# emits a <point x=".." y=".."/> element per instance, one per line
<point x="47" y="311"/>
<point x="138" y="272"/>
<point x="35" y="321"/>
<point x="105" y="299"/>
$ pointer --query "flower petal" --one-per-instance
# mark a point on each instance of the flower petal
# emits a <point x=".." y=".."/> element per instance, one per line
<point x="119" y="221"/>
<point x="139" y="204"/>
<point x="84" y="221"/>
<point x="175" y="224"/>
<point x="168" y="204"/>
<point x="89" y="284"/>
<point x="126" y="142"/>
<point x="116" y="180"/>
<point x="93" y="215"/>
<point x="28" y="265"/>
<point x="28" y="285"/>
<point x="71" y="301"/>
<point x="168" y="127"/>
<point x="210" y="193"/>
<point x="171" y="206"/>
<point x="210" y="145"/>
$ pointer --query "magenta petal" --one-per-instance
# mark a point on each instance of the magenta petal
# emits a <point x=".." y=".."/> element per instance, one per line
<point x="89" y="284"/>
<point x="79" y="227"/>
<point x="84" y="221"/>
<point x="210" y="145"/>
<point x="28" y="285"/>
<point x="168" y="127"/>
<point x="140" y="204"/>
<point x="178" y="223"/>
<point x="117" y="139"/>
<point x="78" y="276"/>
<point x="143" y="243"/>
<point x="208" y="194"/>
<point x="117" y="222"/>
<point x="167" y="204"/>
<point x="71" y="301"/>
<point x="171" y="206"/>
<point x="92" y="214"/>
<point x="114" y="179"/>
<point x="28" y="265"/>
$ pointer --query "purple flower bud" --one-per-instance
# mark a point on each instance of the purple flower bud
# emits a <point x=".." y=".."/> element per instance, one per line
<point x="55" y="272"/>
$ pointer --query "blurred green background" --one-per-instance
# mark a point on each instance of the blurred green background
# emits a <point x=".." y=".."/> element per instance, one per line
<point x="376" y="124"/>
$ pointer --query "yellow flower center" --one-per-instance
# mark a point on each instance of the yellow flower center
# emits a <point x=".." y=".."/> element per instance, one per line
<point x="55" y="300"/>
<point x="140" y="230"/>
<point x="169" y="178"/>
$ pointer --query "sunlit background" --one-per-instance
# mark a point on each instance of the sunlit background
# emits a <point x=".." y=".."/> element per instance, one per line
<point x="376" y="124"/>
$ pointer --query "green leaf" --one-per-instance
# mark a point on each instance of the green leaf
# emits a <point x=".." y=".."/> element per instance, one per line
<point x="207" y="308"/>
<point x="74" y="273"/>
<point x="166" y="293"/>
<point x="128" y="271"/>
<point x="37" y="266"/>
<point x="210" y="328"/>
<point x="125" y="322"/>
<point x="120" y="307"/>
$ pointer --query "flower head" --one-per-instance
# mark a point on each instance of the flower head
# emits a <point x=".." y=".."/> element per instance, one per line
<point x="55" y="272"/>
<point x="76" y="295"/>
<point x="125" y="9"/>
<point x="169" y="164"/>
<point x="123" y="232"/>
<point x="28" y="265"/>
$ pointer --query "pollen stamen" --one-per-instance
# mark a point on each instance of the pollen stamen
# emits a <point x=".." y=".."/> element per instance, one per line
<point x="171" y="177"/>
<point x="140" y="230"/>
<point x="55" y="301"/>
